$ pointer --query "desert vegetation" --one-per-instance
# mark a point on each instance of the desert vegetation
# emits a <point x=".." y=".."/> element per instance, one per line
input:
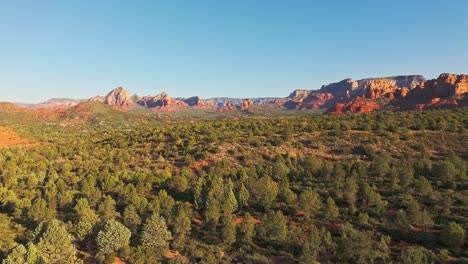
<point x="383" y="187"/>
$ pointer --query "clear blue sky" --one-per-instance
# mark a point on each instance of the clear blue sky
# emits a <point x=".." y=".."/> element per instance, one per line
<point x="241" y="48"/>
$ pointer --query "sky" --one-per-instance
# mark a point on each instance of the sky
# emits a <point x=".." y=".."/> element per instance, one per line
<point x="242" y="48"/>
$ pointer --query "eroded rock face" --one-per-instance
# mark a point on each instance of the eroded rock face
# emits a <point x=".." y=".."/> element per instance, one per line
<point x="195" y="101"/>
<point x="97" y="99"/>
<point x="299" y="95"/>
<point x="457" y="84"/>
<point x="438" y="103"/>
<point x="206" y="104"/>
<point x="341" y="89"/>
<point x="161" y="100"/>
<point x="380" y="87"/>
<point x="357" y="105"/>
<point x="408" y="81"/>
<point x="445" y="85"/>
<point x="401" y="93"/>
<point x="192" y="101"/>
<point x="361" y="96"/>
<point x="319" y="97"/>
<point x="349" y="93"/>
<point x="55" y="103"/>
<point x="246" y="104"/>
<point x="461" y="87"/>
<point x="118" y="97"/>
<point x="228" y="106"/>
<point x="315" y="100"/>
<point x="448" y="90"/>
<point x="372" y="87"/>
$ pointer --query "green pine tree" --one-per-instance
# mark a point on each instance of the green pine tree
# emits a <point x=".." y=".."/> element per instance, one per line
<point x="155" y="234"/>
<point x="56" y="244"/>
<point x="113" y="237"/>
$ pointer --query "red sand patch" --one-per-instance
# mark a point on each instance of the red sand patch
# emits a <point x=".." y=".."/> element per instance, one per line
<point x="9" y="138"/>
<point x="172" y="254"/>
<point x="202" y="163"/>
<point x="300" y="213"/>
<point x="118" y="260"/>
<point x="240" y="220"/>
<point x="418" y="229"/>
<point x="450" y="259"/>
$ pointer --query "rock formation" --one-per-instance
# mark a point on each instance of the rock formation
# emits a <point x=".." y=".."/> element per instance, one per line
<point x="461" y="86"/>
<point x="357" y="105"/>
<point x="445" y="85"/>
<point x="299" y="95"/>
<point x="228" y="106"/>
<point x="161" y="100"/>
<point x="118" y="97"/>
<point x="409" y="81"/>
<point x="315" y="100"/>
<point x="98" y="98"/>
<point x="401" y="93"/>
<point x="342" y="89"/>
<point x="192" y="101"/>
<point x="448" y="90"/>
<point x="346" y="96"/>
<point x="246" y="104"/>
<point x="54" y="103"/>
<point x="221" y="101"/>
<point x="380" y="87"/>
<point x="348" y="88"/>
<point x="195" y="101"/>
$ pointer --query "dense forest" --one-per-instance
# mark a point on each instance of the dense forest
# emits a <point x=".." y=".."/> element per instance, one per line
<point x="384" y="187"/>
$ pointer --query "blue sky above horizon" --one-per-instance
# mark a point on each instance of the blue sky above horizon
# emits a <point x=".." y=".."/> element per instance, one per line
<point x="79" y="49"/>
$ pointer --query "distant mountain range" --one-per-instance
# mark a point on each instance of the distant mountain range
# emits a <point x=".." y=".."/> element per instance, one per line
<point x="346" y="96"/>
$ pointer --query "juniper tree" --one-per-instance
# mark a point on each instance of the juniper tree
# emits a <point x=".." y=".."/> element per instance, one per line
<point x="56" y="244"/>
<point x="113" y="237"/>
<point x="453" y="235"/>
<point x="155" y="234"/>
<point x="86" y="218"/>
<point x="228" y="229"/>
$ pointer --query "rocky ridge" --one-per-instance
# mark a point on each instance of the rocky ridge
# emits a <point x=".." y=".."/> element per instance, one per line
<point x="117" y="97"/>
<point x="448" y="90"/>
<point x="161" y="101"/>
<point x="56" y="103"/>
<point x="346" y="96"/>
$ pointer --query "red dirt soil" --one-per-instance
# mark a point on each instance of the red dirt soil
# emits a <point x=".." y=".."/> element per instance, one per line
<point x="118" y="260"/>
<point x="172" y="254"/>
<point x="9" y="138"/>
<point x="240" y="220"/>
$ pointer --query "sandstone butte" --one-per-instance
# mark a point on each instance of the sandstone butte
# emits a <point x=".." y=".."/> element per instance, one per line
<point x="381" y="87"/>
<point x="246" y="104"/>
<point x="448" y="90"/>
<point x="346" y="96"/>
<point x="357" y="105"/>
<point x="118" y="97"/>
<point x="228" y="106"/>
<point x="299" y="95"/>
<point x="315" y="100"/>
<point x="195" y="101"/>
<point x="161" y="101"/>
<point x="445" y="85"/>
